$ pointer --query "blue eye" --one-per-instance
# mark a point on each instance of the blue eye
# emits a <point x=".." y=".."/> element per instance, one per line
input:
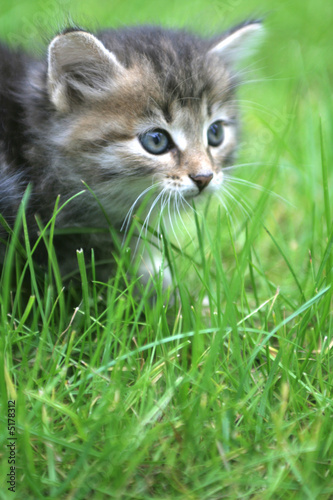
<point x="215" y="134"/>
<point x="156" y="142"/>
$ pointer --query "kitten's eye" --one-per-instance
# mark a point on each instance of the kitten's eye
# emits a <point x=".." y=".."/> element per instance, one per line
<point x="215" y="134"/>
<point x="156" y="142"/>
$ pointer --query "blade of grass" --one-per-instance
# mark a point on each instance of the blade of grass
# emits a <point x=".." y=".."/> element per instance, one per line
<point x="84" y="285"/>
<point x="285" y="258"/>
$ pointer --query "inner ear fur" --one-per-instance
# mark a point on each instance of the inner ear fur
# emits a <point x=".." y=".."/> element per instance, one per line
<point x="79" y="68"/>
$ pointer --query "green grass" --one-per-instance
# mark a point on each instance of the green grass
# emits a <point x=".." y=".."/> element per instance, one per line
<point x="225" y="389"/>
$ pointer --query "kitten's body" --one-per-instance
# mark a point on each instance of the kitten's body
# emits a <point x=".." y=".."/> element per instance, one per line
<point x="89" y="113"/>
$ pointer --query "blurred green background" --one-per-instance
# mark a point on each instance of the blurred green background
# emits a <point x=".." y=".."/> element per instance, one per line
<point x="297" y="30"/>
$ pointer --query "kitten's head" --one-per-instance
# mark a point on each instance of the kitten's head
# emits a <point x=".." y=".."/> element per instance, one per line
<point x="146" y="106"/>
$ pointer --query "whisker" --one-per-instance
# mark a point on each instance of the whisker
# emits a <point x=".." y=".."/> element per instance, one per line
<point x="253" y="185"/>
<point x="243" y="205"/>
<point x="239" y="195"/>
<point x="243" y="165"/>
<point x="163" y="204"/>
<point x="191" y="207"/>
<point x="170" y="219"/>
<point x="180" y="217"/>
<point x="127" y="219"/>
<point x="146" y="221"/>
<point x="160" y="197"/>
<point x="184" y="207"/>
<point x="251" y="105"/>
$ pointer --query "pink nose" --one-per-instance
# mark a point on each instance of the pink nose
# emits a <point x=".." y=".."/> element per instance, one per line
<point x="201" y="181"/>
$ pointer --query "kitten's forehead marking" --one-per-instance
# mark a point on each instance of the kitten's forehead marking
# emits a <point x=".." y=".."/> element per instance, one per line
<point x="185" y="125"/>
<point x="179" y="138"/>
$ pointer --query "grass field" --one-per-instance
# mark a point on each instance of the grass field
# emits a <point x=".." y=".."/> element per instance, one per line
<point x="226" y="389"/>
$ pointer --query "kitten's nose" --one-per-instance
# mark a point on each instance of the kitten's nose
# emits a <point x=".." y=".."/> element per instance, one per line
<point x="201" y="180"/>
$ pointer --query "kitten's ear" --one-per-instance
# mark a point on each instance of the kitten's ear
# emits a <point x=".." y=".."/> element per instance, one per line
<point x="239" y="42"/>
<point x="79" y="68"/>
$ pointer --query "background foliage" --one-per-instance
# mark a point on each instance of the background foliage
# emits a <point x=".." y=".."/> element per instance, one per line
<point x="224" y="391"/>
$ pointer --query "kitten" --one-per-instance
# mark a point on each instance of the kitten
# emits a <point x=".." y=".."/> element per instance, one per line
<point x="127" y="111"/>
